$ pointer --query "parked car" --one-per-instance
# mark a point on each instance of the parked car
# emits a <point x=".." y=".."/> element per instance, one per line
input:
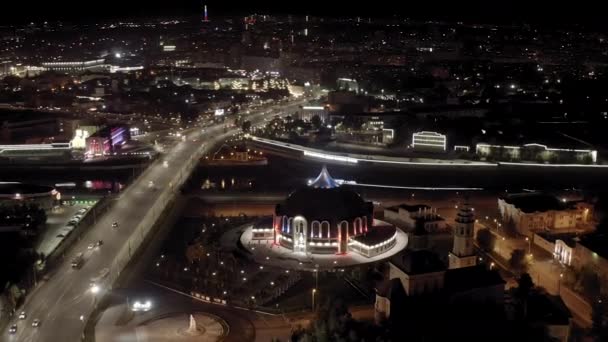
<point x="13" y="329"/>
<point x="22" y="315"/>
<point x="36" y="323"/>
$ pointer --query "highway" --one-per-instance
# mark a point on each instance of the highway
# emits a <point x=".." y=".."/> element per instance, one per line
<point x="64" y="301"/>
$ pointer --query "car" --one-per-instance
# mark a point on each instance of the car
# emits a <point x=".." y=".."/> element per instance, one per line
<point x="150" y="184"/>
<point x="61" y="236"/>
<point x="22" y="315"/>
<point x="36" y="323"/>
<point x="72" y="223"/>
<point x="13" y="329"/>
<point x="82" y="211"/>
<point x="91" y="246"/>
<point x="115" y="225"/>
<point x="98" y="243"/>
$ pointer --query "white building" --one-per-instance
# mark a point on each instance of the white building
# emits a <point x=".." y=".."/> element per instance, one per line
<point x="463" y="252"/>
<point x="534" y="212"/>
<point x="429" y="141"/>
<point x="536" y="153"/>
<point x="407" y="216"/>
<point x="77" y="66"/>
<point x="308" y="112"/>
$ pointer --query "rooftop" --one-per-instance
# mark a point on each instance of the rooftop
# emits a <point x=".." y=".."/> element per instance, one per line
<point x="11" y="188"/>
<point x="324" y="180"/>
<point x="597" y="243"/>
<point x="391" y="289"/>
<point x="263" y="222"/>
<point x="534" y="202"/>
<point x="414" y="208"/>
<point x="568" y="238"/>
<point x="418" y="262"/>
<point x="548" y="309"/>
<point x="468" y="278"/>
<point x="377" y="234"/>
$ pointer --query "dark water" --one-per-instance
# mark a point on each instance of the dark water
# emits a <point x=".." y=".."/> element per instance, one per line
<point x="84" y="182"/>
<point x="284" y="174"/>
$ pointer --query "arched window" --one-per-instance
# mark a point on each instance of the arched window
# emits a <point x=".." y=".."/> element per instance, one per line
<point x="344" y="228"/>
<point x="315" y="229"/>
<point x="325" y="229"/>
<point x="357" y="229"/>
<point x="290" y="224"/>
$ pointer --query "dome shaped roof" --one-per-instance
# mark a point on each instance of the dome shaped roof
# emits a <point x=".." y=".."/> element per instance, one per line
<point x="324" y="199"/>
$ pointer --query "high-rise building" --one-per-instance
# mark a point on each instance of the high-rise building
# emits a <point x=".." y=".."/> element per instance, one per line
<point x="463" y="253"/>
<point x="205" y="14"/>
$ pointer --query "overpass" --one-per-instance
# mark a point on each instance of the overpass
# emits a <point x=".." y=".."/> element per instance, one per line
<point x="65" y="301"/>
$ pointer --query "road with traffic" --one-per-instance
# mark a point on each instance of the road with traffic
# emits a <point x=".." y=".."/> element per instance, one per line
<point x="63" y="302"/>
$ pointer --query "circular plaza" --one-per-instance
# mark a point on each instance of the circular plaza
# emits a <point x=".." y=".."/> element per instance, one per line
<point x="202" y="327"/>
<point x="322" y="226"/>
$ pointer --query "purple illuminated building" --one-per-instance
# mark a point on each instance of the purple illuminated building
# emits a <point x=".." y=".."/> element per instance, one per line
<point x="107" y="141"/>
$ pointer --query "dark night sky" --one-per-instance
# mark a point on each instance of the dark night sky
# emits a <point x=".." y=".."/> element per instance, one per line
<point x="535" y="11"/>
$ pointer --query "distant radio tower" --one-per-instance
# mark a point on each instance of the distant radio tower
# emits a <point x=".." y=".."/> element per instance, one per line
<point x="205" y="17"/>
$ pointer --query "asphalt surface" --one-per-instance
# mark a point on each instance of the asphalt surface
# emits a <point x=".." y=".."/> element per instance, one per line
<point x="60" y="301"/>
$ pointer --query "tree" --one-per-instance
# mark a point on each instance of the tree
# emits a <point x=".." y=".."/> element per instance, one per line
<point x="316" y="121"/>
<point x="518" y="262"/>
<point x="523" y="291"/>
<point x="485" y="240"/>
<point x="599" y="328"/>
<point x="590" y="283"/>
<point x="246" y="126"/>
<point x="525" y="284"/>
<point x="510" y="227"/>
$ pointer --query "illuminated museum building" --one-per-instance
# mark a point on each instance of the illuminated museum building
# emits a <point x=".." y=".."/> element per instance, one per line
<point x="325" y="218"/>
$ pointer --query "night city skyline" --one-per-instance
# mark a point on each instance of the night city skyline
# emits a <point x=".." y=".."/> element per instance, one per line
<point x="513" y="11"/>
<point x="303" y="171"/>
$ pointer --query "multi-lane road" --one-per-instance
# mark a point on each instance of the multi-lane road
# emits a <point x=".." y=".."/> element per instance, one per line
<point x="63" y="302"/>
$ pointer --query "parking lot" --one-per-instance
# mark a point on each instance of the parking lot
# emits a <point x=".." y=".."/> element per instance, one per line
<point x="58" y="225"/>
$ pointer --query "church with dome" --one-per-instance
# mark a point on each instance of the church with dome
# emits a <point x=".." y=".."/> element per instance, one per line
<point x="327" y="218"/>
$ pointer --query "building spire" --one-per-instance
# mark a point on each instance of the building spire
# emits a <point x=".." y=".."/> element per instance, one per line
<point x="324" y="180"/>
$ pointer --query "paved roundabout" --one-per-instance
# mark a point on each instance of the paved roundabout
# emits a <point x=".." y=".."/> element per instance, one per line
<point x="198" y="326"/>
<point x="271" y="254"/>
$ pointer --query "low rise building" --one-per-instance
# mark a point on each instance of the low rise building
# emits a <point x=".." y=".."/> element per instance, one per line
<point x="107" y="141"/>
<point x="408" y="216"/>
<point x="12" y="193"/>
<point x="535" y="153"/>
<point x="306" y="113"/>
<point x="421" y="275"/>
<point x="562" y="246"/>
<point x="533" y="212"/>
<point x="427" y="141"/>
<point x="592" y="251"/>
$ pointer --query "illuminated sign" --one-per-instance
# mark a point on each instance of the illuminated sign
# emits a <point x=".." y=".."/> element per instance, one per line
<point x="219" y="112"/>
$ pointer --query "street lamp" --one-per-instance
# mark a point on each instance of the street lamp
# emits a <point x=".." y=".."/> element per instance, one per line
<point x="559" y="284"/>
<point x="528" y="240"/>
<point x="95" y="289"/>
<point x="314" y="291"/>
